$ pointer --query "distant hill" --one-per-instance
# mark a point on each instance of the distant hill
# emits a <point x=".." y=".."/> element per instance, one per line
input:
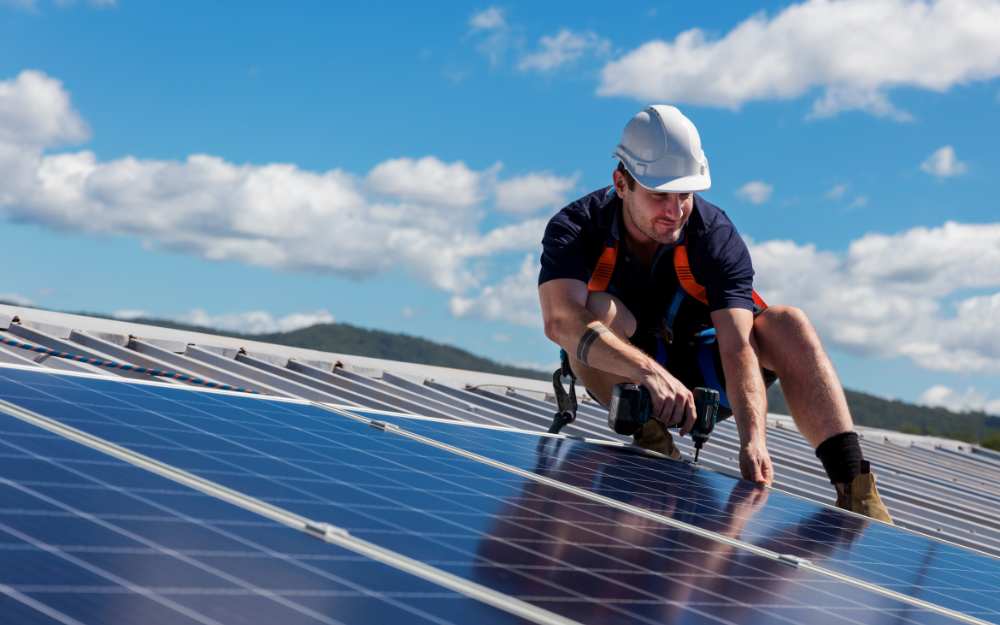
<point x="342" y="338"/>
<point x="875" y="412"/>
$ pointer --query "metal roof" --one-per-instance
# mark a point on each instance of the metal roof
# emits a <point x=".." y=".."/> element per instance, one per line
<point x="947" y="490"/>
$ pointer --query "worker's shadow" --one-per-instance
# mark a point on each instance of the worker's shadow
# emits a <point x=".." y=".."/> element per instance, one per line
<point x="551" y="543"/>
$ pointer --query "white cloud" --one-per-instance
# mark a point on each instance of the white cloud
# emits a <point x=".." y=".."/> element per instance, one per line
<point x="528" y="194"/>
<point x="756" y="192"/>
<point x="943" y="163"/>
<point x="494" y="35"/>
<point x="409" y="312"/>
<point x="885" y="296"/>
<point x="275" y="215"/>
<point x="133" y="313"/>
<point x="837" y="192"/>
<point x="971" y="400"/>
<point x="31" y="3"/>
<point x="859" y="202"/>
<point x="490" y="19"/>
<point x="503" y="338"/>
<point x="254" y="322"/>
<point x="563" y="48"/>
<point x="17" y="300"/>
<point x="856" y="50"/>
<point x="513" y="300"/>
<point x="428" y="181"/>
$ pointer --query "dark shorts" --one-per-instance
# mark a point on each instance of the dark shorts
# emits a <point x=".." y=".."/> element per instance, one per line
<point x="687" y="361"/>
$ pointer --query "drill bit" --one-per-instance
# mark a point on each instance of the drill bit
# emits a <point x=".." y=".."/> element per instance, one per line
<point x="697" y="450"/>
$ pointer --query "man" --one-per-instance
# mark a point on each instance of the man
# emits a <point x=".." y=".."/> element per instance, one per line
<point x="646" y="282"/>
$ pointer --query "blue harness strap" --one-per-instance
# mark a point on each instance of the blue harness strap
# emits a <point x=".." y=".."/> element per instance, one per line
<point x="661" y="352"/>
<point x="706" y="361"/>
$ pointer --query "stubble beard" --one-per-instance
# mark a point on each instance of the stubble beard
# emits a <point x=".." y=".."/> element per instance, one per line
<point x="647" y="229"/>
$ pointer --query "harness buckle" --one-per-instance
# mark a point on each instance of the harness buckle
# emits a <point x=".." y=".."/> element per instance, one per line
<point x="665" y="331"/>
<point x="565" y="402"/>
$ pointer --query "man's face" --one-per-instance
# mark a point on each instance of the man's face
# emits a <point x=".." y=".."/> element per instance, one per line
<point x="658" y="216"/>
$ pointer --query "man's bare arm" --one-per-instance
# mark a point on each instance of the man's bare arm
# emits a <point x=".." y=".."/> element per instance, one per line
<point x="745" y="389"/>
<point x="576" y="329"/>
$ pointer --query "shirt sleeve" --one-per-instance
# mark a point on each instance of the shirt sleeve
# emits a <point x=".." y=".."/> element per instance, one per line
<point x="721" y="263"/>
<point x="567" y="247"/>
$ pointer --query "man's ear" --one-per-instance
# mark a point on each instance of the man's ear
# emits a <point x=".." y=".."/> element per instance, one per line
<point x="621" y="187"/>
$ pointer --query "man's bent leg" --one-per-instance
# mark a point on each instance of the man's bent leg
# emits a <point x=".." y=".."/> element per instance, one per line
<point x="789" y="346"/>
<point x="610" y="311"/>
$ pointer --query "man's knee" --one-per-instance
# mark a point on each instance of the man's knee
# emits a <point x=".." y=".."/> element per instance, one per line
<point x="610" y="311"/>
<point x="781" y="328"/>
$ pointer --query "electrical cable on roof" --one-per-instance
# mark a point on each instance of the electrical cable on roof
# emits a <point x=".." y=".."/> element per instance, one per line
<point x="115" y="365"/>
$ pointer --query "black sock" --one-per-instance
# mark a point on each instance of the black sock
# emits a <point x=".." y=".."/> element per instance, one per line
<point x="841" y="457"/>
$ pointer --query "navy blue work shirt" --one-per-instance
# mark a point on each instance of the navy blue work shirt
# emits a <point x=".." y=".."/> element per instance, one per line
<point x="719" y="259"/>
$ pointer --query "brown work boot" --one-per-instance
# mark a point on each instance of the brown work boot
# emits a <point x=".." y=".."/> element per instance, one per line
<point x="862" y="497"/>
<point x="655" y="437"/>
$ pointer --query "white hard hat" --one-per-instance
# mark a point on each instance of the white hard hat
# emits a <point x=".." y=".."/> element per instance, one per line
<point x="662" y="150"/>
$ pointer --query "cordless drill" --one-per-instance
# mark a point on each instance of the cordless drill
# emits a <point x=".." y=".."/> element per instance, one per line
<point x="630" y="405"/>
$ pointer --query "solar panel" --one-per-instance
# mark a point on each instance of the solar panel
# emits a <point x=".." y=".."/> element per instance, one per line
<point x="88" y="538"/>
<point x="535" y="541"/>
<point x="873" y="552"/>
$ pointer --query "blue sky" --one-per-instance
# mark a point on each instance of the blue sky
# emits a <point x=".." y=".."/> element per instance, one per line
<point x="393" y="165"/>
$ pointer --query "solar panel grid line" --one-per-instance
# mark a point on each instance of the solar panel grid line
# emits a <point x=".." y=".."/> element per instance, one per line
<point x="821" y="570"/>
<point x="38" y="606"/>
<point x="45" y="340"/>
<point x="87" y="566"/>
<point x="203" y="369"/>
<point x="296" y="561"/>
<point x="343" y="395"/>
<point x="317" y="529"/>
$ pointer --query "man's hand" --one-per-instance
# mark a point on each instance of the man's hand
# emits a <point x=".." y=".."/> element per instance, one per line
<point x="755" y="463"/>
<point x="672" y="402"/>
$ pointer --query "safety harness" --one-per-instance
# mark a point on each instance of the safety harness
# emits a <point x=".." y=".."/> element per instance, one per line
<point x="600" y="280"/>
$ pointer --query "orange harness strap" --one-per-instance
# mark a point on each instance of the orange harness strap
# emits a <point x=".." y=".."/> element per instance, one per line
<point x="601" y="277"/>
<point x="683" y="269"/>
<point x="689" y="284"/>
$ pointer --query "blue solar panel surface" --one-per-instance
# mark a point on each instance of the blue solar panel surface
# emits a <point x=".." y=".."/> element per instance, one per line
<point x="909" y="563"/>
<point x="531" y="540"/>
<point x="90" y="538"/>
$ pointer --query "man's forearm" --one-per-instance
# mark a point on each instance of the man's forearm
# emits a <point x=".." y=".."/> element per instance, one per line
<point x="746" y="392"/>
<point x="595" y="345"/>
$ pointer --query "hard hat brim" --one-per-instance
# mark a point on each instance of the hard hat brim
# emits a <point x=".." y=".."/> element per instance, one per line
<point x="684" y="184"/>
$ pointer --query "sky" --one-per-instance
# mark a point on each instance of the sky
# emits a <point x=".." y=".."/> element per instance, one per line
<point x="261" y="166"/>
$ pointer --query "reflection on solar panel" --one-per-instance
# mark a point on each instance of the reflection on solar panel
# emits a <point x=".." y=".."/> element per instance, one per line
<point x="586" y="532"/>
